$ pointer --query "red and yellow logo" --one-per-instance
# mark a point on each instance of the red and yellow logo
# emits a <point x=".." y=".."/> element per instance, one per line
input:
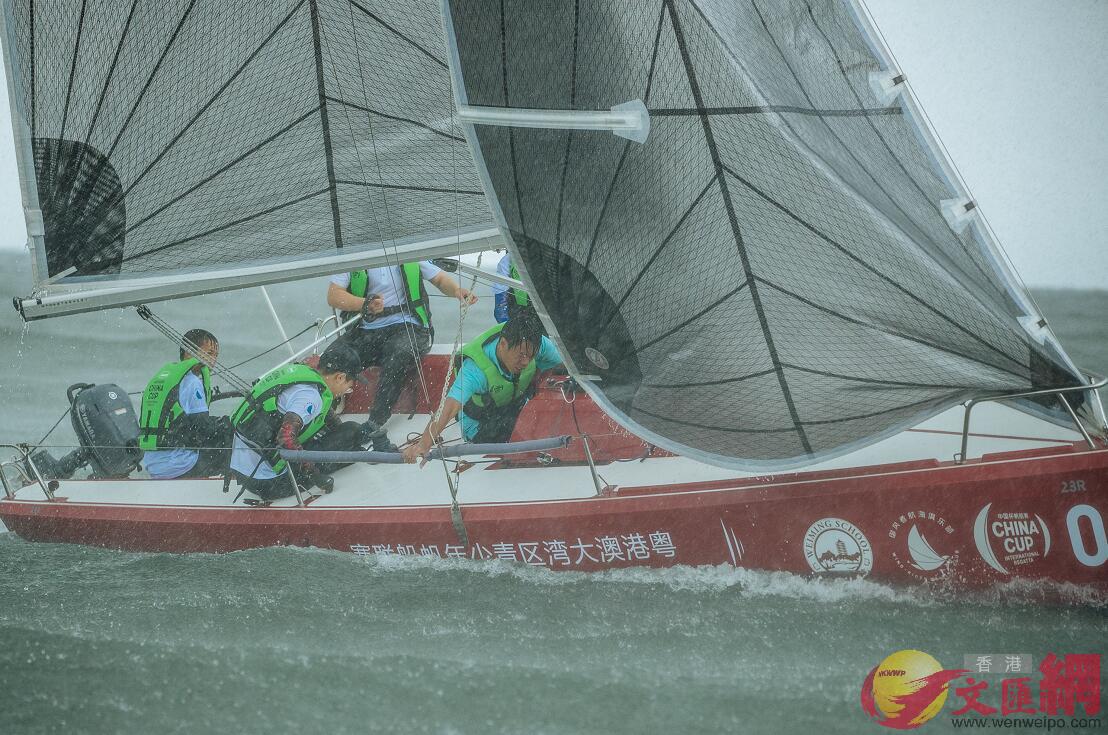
<point x="907" y="689"/>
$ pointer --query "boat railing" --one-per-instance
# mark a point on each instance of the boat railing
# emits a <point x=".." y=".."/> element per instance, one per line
<point x="1096" y="383"/>
<point x="592" y="466"/>
<point x="321" y="324"/>
<point x="15" y="465"/>
<point x="23" y="463"/>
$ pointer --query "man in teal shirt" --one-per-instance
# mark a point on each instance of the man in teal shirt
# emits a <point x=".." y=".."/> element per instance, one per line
<point x="496" y="379"/>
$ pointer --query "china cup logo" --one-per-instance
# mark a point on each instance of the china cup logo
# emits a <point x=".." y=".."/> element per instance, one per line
<point x="907" y="689"/>
<point x="1010" y="540"/>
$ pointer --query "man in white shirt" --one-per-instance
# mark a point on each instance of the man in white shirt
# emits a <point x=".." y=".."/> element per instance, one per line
<point x="395" y="330"/>
<point x="291" y="408"/>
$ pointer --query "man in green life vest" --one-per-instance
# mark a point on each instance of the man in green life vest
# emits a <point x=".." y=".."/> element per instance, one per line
<point x="179" y="437"/>
<point x="395" y="330"/>
<point x="508" y="301"/>
<point x="496" y="379"/>
<point x="290" y="408"/>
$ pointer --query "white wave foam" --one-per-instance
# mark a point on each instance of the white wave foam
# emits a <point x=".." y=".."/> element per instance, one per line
<point x="1041" y="591"/>
<point x="747" y="582"/>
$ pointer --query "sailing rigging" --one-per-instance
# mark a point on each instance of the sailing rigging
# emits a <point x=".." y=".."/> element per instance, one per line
<point x="730" y="213"/>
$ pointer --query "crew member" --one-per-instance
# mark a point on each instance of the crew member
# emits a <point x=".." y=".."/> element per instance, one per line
<point x="177" y="434"/>
<point x="496" y="379"/>
<point x="395" y="329"/>
<point x="290" y="408"/>
<point x="508" y="300"/>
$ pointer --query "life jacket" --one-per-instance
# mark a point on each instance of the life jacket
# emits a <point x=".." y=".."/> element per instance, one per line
<point x="500" y="405"/>
<point x="257" y="419"/>
<point x="161" y="404"/>
<point x="519" y="297"/>
<point x="418" y="305"/>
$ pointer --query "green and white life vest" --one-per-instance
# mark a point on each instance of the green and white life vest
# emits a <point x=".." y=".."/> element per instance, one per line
<point x="503" y="394"/>
<point x="161" y="404"/>
<point x="413" y="288"/>
<point x="257" y="419"/>
<point x="520" y="297"/>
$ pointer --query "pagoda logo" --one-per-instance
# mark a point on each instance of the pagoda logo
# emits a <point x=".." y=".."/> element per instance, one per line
<point x="837" y="546"/>
<point x="907" y="689"/>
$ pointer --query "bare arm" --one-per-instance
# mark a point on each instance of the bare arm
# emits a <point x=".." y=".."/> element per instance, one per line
<point x="341" y="299"/>
<point x="450" y="409"/>
<point x="449" y="287"/>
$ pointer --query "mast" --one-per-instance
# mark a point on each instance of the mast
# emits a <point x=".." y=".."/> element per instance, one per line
<point x="23" y="135"/>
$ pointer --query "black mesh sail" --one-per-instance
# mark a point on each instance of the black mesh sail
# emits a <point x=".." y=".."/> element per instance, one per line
<point x="771" y="276"/>
<point x="190" y="135"/>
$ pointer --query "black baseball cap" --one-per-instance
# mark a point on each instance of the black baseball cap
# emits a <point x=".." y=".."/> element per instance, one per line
<point x="340" y="358"/>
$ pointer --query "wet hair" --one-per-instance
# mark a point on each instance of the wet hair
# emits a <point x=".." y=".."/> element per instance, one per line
<point x="523" y="326"/>
<point x="198" y="337"/>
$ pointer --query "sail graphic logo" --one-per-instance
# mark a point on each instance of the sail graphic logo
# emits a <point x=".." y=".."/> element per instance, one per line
<point x="1008" y="540"/>
<point x="832" y="545"/>
<point x="734" y="546"/>
<point x="920" y="538"/>
<point x="907" y="689"/>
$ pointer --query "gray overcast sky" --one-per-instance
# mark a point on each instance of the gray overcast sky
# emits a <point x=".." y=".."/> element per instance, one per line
<point x="1018" y="93"/>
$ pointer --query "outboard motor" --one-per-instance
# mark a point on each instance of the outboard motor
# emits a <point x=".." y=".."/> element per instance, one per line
<point x="107" y="428"/>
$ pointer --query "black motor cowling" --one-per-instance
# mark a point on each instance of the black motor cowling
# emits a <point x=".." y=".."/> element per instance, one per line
<point x="107" y="428"/>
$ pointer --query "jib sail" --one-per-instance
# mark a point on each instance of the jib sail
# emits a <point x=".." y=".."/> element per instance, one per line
<point x="774" y="264"/>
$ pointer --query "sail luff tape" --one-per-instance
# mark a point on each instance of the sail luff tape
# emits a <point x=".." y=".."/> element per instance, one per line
<point x="959" y="212"/>
<point x="630" y="120"/>
<point x="35" y="225"/>
<point x="887" y="85"/>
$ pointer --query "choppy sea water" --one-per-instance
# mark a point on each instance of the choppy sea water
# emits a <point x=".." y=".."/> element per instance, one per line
<point x="302" y="640"/>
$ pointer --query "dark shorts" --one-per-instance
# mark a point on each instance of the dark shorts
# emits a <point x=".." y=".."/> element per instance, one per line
<point x="395" y="349"/>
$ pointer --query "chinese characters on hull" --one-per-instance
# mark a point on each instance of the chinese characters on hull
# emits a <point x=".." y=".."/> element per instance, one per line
<point x="553" y="553"/>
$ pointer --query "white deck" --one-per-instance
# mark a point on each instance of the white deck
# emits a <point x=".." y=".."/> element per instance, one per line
<point x="996" y="429"/>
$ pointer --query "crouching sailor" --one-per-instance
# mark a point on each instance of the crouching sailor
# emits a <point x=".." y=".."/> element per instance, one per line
<point x="495" y="382"/>
<point x="290" y="408"/>
<point x="178" y="435"/>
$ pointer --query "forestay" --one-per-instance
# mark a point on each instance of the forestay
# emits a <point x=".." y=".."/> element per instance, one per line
<point x="233" y="142"/>
<point x="785" y="269"/>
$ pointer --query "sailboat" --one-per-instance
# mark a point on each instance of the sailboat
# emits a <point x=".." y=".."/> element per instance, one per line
<point x="792" y="341"/>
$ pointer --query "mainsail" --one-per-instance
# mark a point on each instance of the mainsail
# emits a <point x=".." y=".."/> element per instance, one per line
<point x="786" y="268"/>
<point x="169" y="148"/>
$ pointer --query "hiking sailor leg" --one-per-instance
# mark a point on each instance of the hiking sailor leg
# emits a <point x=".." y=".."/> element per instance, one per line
<point x="403" y="345"/>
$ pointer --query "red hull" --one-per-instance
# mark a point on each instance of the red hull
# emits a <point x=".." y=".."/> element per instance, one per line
<point x="1036" y="515"/>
